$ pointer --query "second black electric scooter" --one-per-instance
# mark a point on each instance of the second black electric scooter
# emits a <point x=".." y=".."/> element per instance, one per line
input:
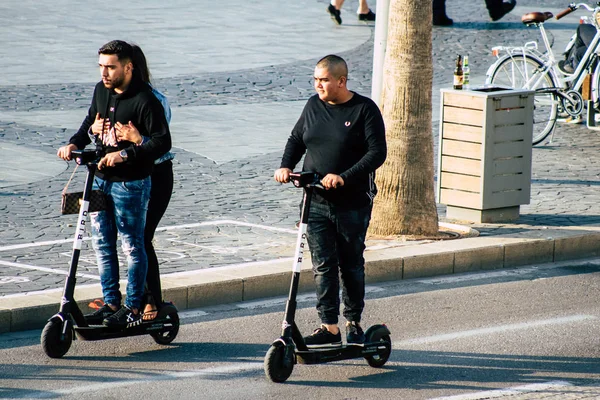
<point x="290" y="348"/>
<point x="58" y="333"/>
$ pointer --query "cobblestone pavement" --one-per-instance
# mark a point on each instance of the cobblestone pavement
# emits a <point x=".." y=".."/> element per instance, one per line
<point x="233" y="200"/>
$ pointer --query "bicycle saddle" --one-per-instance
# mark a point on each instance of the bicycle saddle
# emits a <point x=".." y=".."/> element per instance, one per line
<point x="536" y="17"/>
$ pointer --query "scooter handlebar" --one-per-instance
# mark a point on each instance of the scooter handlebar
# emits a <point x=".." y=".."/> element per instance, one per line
<point x="86" y="156"/>
<point x="306" y="179"/>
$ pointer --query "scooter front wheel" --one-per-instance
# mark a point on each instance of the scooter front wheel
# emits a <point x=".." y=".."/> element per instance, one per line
<point x="379" y="359"/>
<point x="277" y="367"/>
<point x="54" y="343"/>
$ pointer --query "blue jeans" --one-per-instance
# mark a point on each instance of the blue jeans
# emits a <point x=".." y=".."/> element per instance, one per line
<point x="336" y="239"/>
<point x="126" y="215"/>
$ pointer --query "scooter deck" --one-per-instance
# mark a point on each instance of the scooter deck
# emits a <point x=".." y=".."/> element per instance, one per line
<point x="99" y="332"/>
<point x="344" y="352"/>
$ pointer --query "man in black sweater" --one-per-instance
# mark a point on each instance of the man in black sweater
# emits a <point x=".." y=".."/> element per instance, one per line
<point x="343" y="136"/>
<point x="121" y="101"/>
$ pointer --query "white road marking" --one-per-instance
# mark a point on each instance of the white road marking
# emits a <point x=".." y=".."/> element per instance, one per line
<point x="51" y="270"/>
<point x="36" y="244"/>
<point x="164" y="228"/>
<point x="478" y="276"/>
<point x="227" y="222"/>
<point x="491" y="330"/>
<point x="207" y="373"/>
<point x="489" y="394"/>
<point x="13" y="279"/>
<point x="228" y="249"/>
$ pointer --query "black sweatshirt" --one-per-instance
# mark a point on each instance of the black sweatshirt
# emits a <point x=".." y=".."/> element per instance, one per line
<point x="138" y="105"/>
<point x="344" y="139"/>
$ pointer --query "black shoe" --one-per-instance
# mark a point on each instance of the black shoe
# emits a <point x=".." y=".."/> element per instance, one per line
<point x="565" y="67"/>
<point x="335" y="14"/>
<point x="503" y="10"/>
<point x="321" y="337"/>
<point x="354" y="333"/>
<point x="99" y="315"/>
<point x="124" y="318"/>
<point x="442" y="20"/>
<point x="370" y="16"/>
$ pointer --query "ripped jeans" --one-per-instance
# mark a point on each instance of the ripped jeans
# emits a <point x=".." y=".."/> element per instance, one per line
<point x="126" y="215"/>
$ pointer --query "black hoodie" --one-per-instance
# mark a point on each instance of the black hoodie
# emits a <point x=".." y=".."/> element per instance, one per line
<point x="138" y="105"/>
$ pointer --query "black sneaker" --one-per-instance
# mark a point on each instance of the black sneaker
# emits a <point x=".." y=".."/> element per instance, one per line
<point x="335" y="14"/>
<point x="99" y="315"/>
<point x="504" y="9"/>
<point x="354" y="333"/>
<point x="124" y="318"/>
<point x="321" y="337"/>
<point x="565" y="67"/>
<point x="370" y="16"/>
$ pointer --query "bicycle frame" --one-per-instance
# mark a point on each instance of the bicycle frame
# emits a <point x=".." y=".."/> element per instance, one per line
<point x="549" y="63"/>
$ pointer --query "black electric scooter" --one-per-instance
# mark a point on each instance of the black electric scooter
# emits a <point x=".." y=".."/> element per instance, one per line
<point x="57" y="335"/>
<point x="290" y="348"/>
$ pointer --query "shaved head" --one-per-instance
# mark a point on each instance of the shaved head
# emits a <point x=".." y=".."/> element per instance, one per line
<point x="335" y="65"/>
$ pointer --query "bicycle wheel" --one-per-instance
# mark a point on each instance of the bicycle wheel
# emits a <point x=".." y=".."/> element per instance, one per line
<point x="515" y="72"/>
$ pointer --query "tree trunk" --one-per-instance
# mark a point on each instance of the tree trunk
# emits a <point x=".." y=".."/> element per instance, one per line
<point x="406" y="204"/>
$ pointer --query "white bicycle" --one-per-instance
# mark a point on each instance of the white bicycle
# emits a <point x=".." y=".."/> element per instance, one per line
<point x="556" y="92"/>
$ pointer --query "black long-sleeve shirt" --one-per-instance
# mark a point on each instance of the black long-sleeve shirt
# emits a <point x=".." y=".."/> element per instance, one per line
<point x="344" y="139"/>
<point x="138" y="105"/>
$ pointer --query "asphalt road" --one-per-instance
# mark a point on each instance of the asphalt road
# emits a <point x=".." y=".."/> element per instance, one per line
<point x="533" y="328"/>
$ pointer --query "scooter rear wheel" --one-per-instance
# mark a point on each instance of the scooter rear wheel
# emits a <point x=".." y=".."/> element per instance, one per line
<point x="276" y="367"/>
<point x="54" y="346"/>
<point x="168" y="335"/>
<point x="379" y="360"/>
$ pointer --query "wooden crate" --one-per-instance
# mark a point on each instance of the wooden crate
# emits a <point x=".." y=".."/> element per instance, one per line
<point x="484" y="165"/>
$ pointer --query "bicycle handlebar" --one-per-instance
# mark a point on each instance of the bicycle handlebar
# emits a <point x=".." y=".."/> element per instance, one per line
<point x="573" y="7"/>
<point x="566" y="12"/>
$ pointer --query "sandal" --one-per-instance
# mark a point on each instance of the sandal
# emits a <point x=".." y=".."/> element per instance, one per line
<point x="150" y="313"/>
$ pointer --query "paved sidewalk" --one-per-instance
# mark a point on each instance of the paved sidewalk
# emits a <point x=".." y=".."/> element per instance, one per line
<point x="235" y="95"/>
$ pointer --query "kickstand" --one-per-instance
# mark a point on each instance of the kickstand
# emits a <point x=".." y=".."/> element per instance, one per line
<point x="591" y="116"/>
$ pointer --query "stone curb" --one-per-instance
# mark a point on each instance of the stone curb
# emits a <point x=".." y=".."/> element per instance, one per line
<point x="209" y="287"/>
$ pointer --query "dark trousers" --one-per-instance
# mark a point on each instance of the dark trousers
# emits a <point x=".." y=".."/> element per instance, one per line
<point x="493" y="6"/>
<point x="439" y="8"/>
<point x="160" y="195"/>
<point x="336" y="239"/>
<point x="585" y="35"/>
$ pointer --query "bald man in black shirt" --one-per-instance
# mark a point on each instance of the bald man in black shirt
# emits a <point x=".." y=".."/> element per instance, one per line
<point x="343" y="136"/>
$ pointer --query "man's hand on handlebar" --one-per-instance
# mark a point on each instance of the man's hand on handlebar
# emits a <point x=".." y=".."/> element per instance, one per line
<point x="332" y="181"/>
<point x="282" y="175"/>
<point x="65" y="152"/>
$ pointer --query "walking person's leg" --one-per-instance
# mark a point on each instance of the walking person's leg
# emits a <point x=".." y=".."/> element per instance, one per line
<point x="160" y="195"/>
<point x="499" y="8"/>
<point x="334" y="9"/>
<point x="364" y="12"/>
<point x="439" y="14"/>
